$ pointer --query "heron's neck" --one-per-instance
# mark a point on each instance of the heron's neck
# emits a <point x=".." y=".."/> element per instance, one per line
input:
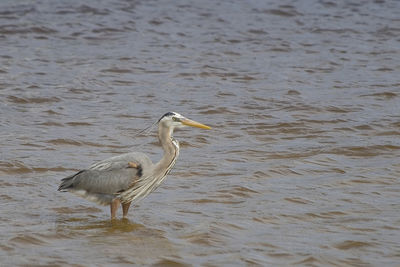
<point x="170" y="147"/>
<point x="148" y="183"/>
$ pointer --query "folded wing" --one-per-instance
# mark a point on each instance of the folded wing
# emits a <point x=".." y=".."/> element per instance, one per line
<point x="104" y="180"/>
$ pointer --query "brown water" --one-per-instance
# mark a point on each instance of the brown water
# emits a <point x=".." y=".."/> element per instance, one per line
<point x="301" y="167"/>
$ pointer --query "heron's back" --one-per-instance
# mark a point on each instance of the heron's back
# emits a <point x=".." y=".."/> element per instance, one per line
<point x="106" y="179"/>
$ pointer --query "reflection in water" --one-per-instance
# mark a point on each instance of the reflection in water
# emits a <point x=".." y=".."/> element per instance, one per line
<point x="109" y="226"/>
<point x="301" y="167"/>
<point x="123" y="240"/>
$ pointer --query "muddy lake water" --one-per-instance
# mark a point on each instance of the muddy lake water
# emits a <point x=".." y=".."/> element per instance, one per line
<point x="301" y="167"/>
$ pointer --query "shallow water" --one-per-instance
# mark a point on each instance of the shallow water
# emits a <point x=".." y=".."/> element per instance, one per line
<point x="301" y="166"/>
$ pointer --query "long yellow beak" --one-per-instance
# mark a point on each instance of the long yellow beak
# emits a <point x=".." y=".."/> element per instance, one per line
<point x="195" y="124"/>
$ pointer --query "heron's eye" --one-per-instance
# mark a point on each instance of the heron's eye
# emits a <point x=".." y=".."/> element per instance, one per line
<point x="175" y="119"/>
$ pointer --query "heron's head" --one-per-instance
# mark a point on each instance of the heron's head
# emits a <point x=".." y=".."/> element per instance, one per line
<point x="174" y="120"/>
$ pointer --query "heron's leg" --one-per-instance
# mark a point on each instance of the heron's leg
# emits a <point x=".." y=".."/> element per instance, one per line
<point x="114" y="207"/>
<point x="125" y="208"/>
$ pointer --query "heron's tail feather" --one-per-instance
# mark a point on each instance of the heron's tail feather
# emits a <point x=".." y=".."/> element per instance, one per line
<point x="68" y="182"/>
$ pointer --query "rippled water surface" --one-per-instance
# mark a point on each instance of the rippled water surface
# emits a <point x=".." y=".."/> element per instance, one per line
<point x="301" y="166"/>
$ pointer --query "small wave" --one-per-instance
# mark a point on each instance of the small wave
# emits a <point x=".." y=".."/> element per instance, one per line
<point x="28" y="239"/>
<point x="349" y="244"/>
<point x="21" y="29"/>
<point x="281" y="12"/>
<point x="32" y="100"/>
<point x="78" y="123"/>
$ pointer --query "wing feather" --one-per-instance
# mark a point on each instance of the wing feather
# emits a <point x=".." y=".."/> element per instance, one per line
<point x="107" y="178"/>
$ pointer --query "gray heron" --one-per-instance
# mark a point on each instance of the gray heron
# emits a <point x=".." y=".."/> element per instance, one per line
<point x="129" y="177"/>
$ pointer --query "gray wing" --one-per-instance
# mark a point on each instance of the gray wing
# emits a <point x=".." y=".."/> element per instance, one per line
<point x="108" y="177"/>
<point x="114" y="162"/>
